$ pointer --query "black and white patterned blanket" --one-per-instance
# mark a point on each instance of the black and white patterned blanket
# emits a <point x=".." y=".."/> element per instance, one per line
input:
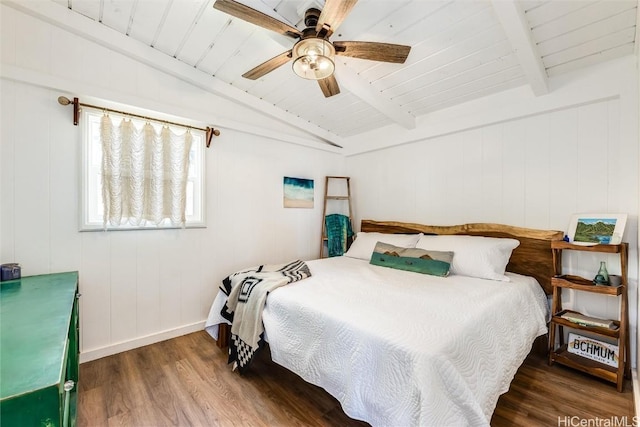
<point x="247" y="292"/>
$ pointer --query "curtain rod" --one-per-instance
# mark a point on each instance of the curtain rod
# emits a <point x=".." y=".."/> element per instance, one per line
<point x="63" y="100"/>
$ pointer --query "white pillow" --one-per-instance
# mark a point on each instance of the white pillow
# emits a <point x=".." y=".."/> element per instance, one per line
<point x="364" y="244"/>
<point x="475" y="256"/>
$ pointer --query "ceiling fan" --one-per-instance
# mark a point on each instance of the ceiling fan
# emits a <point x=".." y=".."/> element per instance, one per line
<point x="313" y="54"/>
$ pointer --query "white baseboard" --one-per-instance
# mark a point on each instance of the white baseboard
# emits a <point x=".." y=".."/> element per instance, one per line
<point x="97" y="353"/>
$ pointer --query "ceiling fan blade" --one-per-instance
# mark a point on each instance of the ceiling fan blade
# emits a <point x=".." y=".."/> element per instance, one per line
<point x="268" y="66"/>
<point x="258" y="18"/>
<point x="385" y="52"/>
<point x="329" y="86"/>
<point x="332" y="15"/>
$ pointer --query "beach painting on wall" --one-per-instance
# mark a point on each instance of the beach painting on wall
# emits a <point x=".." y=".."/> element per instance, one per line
<point x="298" y="192"/>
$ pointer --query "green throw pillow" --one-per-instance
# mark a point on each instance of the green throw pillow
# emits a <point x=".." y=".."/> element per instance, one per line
<point x="435" y="263"/>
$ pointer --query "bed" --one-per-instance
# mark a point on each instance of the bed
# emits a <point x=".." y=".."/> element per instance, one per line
<point x="397" y="347"/>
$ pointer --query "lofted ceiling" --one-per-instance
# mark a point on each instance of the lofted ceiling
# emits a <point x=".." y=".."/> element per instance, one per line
<point x="461" y="50"/>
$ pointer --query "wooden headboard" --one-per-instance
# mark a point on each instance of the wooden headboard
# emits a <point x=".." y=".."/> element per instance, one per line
<point x="532" y="258"/>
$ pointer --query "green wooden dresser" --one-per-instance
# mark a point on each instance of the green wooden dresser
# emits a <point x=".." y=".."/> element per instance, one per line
<point x="39" y="350"/>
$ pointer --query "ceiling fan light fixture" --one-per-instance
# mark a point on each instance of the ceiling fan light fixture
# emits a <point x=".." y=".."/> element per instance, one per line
<point x="313" y="58"/>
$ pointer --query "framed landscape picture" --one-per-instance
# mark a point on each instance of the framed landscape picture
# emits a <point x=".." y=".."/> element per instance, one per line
<point x="597" y="229"/>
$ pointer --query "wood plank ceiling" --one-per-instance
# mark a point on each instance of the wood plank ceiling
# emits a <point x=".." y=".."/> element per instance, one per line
<point x="461" y="50"/>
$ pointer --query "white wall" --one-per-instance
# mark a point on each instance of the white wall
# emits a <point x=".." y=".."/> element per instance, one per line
<point x="577" y="153"/>
<point x="137" y="286"/>
<point x="512" y="158"/>
<point x="637" y="359"/>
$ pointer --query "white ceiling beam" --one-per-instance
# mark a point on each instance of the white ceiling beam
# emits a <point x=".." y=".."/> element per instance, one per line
<point x="114" y="99"/>
<point x="68" y="20"/>
<point x="355" y="84"/>
<point x="515" y="25"/>
<point x="196" y="117"/>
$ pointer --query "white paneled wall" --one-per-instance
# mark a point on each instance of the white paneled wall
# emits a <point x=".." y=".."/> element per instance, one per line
<point x="137" y="286"/>
<point x="637" y="359"/>
<point x="533" y="172"/>
<point x="140" y="283"/>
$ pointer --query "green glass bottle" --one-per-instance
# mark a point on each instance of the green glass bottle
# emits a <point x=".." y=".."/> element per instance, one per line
<point x="603" y="274"/>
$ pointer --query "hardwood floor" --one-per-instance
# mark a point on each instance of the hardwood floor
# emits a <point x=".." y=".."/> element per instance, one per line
<point x="186" y="381"/>
<point x="542" y="395"/>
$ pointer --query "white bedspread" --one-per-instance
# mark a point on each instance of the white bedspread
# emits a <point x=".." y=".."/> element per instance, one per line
<point x="398" y="348"/>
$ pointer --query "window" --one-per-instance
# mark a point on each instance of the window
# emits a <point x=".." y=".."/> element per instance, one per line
<point x="92" y="207"/>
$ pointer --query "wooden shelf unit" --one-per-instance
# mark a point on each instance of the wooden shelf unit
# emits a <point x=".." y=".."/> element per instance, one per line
<point x="559" y="353"/>
<point x="587" y="366"/>
<point x="609" y="332"/>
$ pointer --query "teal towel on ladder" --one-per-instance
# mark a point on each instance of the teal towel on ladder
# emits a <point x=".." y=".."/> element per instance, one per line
<point x="338" y="230"/>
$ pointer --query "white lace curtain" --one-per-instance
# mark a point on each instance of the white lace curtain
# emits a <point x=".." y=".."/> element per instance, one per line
<point x="144" y="173"/>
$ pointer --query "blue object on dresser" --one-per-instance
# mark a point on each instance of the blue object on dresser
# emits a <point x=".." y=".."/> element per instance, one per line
<point x="9" y="272"/>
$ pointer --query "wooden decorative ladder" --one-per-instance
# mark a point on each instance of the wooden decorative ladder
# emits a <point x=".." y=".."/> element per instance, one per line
<point x="327" y="197"/>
